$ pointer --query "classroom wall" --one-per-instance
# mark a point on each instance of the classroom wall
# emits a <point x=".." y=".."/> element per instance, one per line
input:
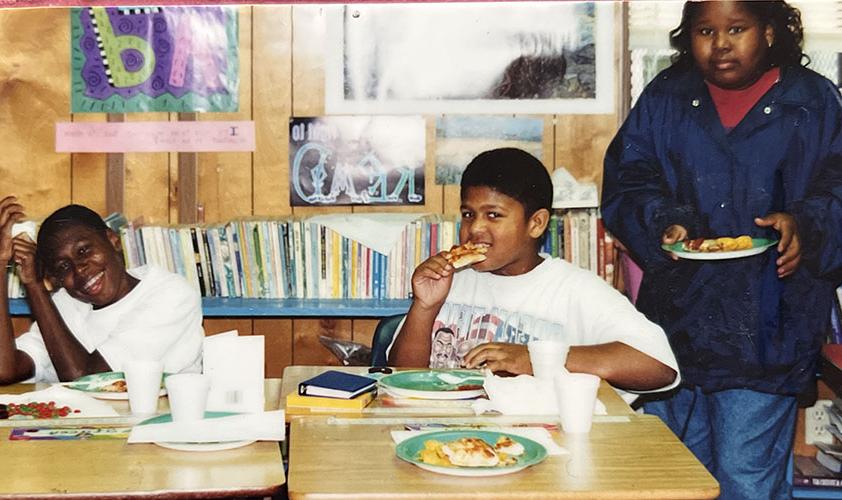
<point x="281" y="75"/>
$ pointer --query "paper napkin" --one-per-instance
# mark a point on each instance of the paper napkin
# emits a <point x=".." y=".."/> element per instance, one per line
<point x="538" y="434"/>
<point x="265" y="426"/>
<point x="235" y="367"/>
<point x="521" y="395"/>
<point x="87" y="406"/>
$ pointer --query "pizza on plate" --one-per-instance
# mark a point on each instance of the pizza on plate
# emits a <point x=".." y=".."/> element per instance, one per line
<point x="723" y="244"/>
<point x="471" y="452"/>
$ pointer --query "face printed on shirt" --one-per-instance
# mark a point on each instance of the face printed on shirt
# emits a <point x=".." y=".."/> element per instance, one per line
<point x="729" y="44"/>
<point x="88" y="264"/>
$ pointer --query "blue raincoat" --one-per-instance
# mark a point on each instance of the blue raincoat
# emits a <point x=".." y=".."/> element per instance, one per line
<point x="733" y="323"/>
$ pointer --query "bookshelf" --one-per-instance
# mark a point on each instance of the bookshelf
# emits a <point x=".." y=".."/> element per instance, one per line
<point x="217" y="307"/>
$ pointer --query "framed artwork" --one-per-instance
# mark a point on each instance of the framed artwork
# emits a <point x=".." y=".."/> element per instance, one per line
<point x="459" y="138"/>
<point x="507" y="57"/>
<point x="175" y="59"/>
<point x="356" y="160"/>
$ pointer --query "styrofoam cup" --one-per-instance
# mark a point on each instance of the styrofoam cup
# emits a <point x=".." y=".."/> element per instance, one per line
<point x="576" y="395"/>
<point x="143" y="382"/>
<point x="188" y="395"/>
<point x="548" y="357"/>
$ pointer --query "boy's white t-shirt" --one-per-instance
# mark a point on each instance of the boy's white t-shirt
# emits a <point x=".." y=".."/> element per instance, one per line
<point x="554" y="301"/>
<point x="160" y="319"/>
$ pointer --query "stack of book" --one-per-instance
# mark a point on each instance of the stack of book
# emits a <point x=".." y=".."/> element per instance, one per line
<point x="332" y="391"/>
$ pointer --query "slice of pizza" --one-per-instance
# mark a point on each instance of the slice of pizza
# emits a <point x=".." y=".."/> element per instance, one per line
<point x="466" y="254"/>
<point x="470" y="452"/>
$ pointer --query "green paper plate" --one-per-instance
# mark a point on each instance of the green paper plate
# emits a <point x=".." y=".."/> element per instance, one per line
<point x="188" y="446"/>
<point x="410" y="449"/>
<point x="167" y="418"/>
<point x="758" y="246"/>
<point x="426" y="384"/>
<point x="94" y="384"/>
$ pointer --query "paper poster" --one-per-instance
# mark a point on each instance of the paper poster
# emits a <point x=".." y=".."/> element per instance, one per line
<point x="178" y="59"/>
<point x="460" y="138"/>
<point x="495" y="57"/>
<point x="356" y="160"/>
<point x="149" y="137"/>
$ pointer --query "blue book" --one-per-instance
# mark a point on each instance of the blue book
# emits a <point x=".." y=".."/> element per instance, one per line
<point x="336" y="384"/>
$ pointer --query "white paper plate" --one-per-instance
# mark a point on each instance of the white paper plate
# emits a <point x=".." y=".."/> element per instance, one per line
<point x="218" y="446"/>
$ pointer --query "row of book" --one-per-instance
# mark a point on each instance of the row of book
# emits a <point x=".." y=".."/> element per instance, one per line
<point x="298" y="258"/>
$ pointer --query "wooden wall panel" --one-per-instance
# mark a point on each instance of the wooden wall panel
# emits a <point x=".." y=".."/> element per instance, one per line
<point x="88" y="171"/>
<point x="580" y="144"/>
<point x="306" y="349"/>
<point x="147" y="180"/>
<point x="225" y="179"/>
<point x="33" y="97"/>
<point x="272" y="104"/>
<point x="219" y="325"/>
<point x="278" y="344"/>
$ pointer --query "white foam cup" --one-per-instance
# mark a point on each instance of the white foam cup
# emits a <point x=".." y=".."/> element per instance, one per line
<point x="548" y="357"/>
<point x="576" y="395"/>
<point x="143" y="382"/>
<point x="188" y="396"/>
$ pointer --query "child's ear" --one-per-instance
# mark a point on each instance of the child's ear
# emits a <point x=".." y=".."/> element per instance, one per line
<point x="114" y="239"/>
<point x="538" y="222"/>
<point x="769" y="34"/>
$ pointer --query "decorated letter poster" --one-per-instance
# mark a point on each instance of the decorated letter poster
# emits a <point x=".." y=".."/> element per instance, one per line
<point x="179" y="59"/>
<point x="356" y="160"/>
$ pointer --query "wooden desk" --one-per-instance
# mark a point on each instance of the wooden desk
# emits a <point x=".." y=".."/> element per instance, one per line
<point x="624" y="457"/>
<point x="614" y="404"/>
<point x="111" y="468"/>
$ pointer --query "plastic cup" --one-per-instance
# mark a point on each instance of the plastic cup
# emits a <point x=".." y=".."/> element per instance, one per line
<point x="576" y="395"/>
<point x="188" y="395"/>
<point x="143" y="382"/>
<point x="548" y="357"/>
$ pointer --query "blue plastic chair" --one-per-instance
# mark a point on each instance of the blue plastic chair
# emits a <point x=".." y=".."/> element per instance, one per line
<point x="383" y="334"/>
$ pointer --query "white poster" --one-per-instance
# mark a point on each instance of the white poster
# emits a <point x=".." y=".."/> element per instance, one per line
<point x="518" y="57"/>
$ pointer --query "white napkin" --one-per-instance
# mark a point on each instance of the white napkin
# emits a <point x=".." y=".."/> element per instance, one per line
<point x="378" y="231"/>
<point x="87" y="406"/>
<point x="537" y="434"/>
<point x="521" y="395"/>
<point x="266" y="426"/>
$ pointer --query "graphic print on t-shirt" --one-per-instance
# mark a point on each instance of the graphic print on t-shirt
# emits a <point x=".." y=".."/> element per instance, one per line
<point x="459" y="328"/>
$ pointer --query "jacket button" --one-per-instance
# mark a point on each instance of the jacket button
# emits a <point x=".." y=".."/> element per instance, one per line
<point x="767" y="110"/>
<point x="695" y="103"/>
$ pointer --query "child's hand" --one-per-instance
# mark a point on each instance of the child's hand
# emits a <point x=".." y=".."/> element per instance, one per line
<point x="10" y="212"/>
<point x="500" y="357"/>
<point x="431" y="281"/>
<point x="673" y="234"/>
<point x="24" y="256"/>
<point x="790" y="245"/>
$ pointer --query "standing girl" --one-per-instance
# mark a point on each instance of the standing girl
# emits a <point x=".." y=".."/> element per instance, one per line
<point x="736" y="137"/>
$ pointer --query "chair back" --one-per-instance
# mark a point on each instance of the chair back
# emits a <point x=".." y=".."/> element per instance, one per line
<point x="383" y="334"/>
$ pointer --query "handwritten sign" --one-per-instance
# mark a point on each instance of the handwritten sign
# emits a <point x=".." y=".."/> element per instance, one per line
<point x="154" y="137"/>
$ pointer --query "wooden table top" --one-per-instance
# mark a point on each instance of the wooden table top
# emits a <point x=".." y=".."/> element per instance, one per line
<point x="111" y="468"/>
<point x="614" y="404"/>
<point x="624" y="457"/>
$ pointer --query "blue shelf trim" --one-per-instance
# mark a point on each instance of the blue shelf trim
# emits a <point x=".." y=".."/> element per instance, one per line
<point x="285" y="308"/>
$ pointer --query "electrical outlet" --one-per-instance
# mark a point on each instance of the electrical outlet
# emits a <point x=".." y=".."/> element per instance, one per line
<point x="816" y="422"/>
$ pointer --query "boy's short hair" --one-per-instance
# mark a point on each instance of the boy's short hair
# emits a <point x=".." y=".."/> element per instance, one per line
<point x="513" y="172"/>
<point x="68" y="216"/>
